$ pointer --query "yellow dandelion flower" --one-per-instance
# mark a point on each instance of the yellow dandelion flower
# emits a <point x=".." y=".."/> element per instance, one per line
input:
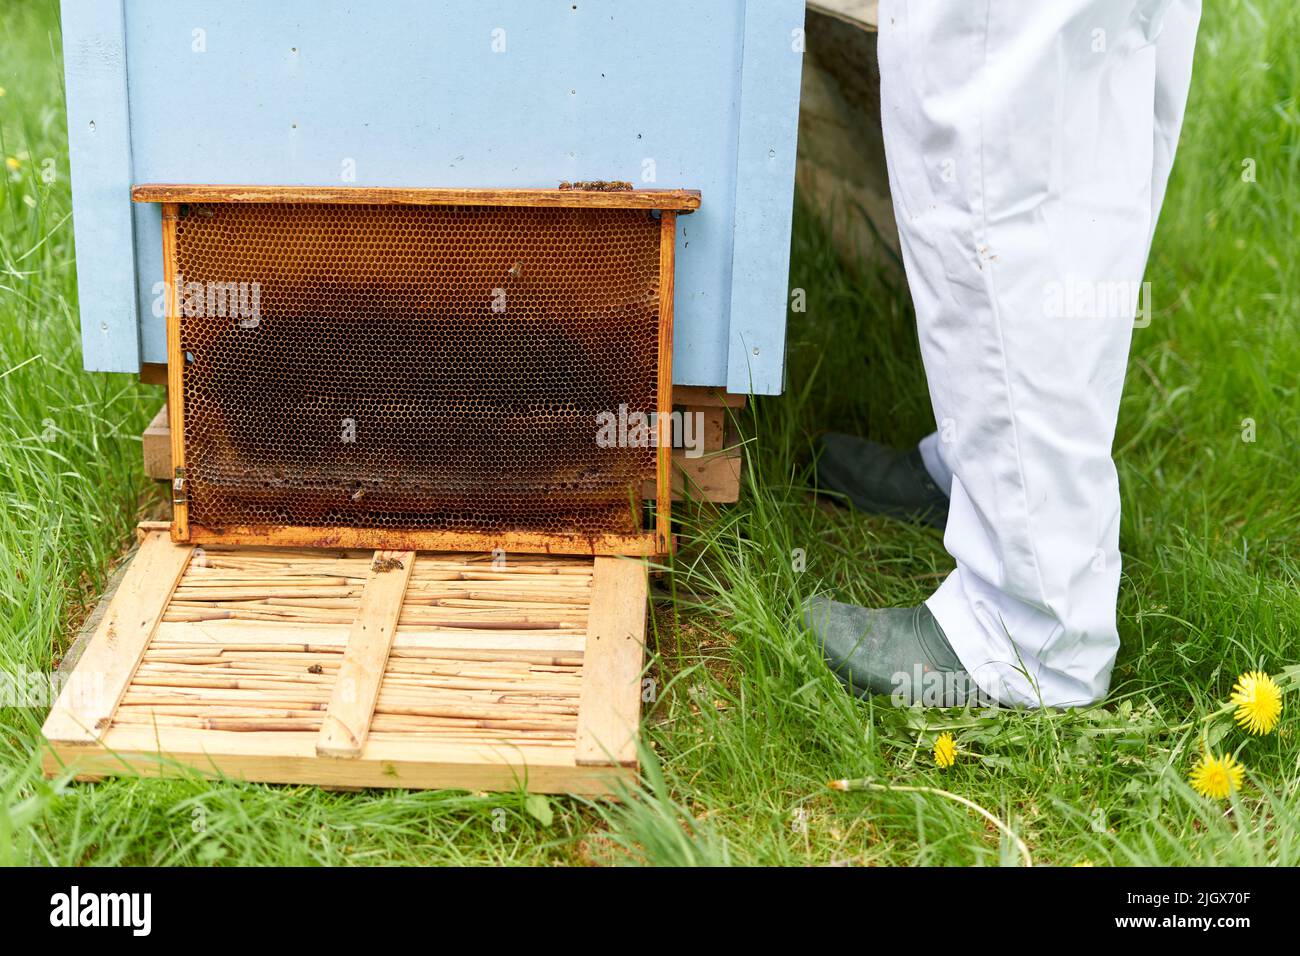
<point x="1216" y="777"/>
<point x="945" y="750"/>
<point x="13" y="163"/>
<point x="2" y="91"/>
<point x="1259" y="702"/>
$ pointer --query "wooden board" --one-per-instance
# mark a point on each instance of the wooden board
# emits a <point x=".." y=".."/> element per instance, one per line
<point x="356" y="688"/>
<point x="712" y="427"/>
<point x="681" y="200"/>
<point x="483" y="683"/>
<point x="87" y="702"/>
<point x="611" y="704"/>
<point x="712" y="477"/>
<point x="156" y="444"/>
<point x="704" y="396"/>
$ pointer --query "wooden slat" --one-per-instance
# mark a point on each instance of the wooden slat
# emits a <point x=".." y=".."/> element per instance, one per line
<point x="714" y="421"/>
<point x="235" y="633"/>
<point x="609" y="710"/>
<point x="153" y="373"/>
<point x="663" y="470"/>
<point x="708" y="424"/>
<point x="175" y="369"/>
<point x="684" y="200"/>
<point x="356" y="689"/>
<point x="146" y="528"/>
<point x="156" y="443"/>
<point x="713" y="477"/>
<point x="706" y="395"/>
<point x="510" y="542"/>
<point x="86" y="705"/>
<point x="387" y="761"/>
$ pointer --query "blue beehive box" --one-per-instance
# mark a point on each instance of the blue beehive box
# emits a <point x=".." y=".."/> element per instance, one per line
<point x="428" y="93"/>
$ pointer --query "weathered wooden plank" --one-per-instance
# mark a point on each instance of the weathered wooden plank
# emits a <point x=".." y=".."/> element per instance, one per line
<point x="153" y="373"/>
<point x="236" y="633"/>
<point x="609" y="711"/>
<point x="356" y="689"/>
<point x="388" y="760"/>
<point x="681" y="200"/>
<point x="707" y="428"/>
<point x="864" y="14"/>
<point x="712" y="424"/>
<point x="85" y="706"/>
<point x="704" y="395"/>
<point x="156" y="444"/>
<point x="713" y="477"/>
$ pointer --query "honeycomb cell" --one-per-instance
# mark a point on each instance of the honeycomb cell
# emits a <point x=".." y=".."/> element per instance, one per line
<point x="441" y="368"/>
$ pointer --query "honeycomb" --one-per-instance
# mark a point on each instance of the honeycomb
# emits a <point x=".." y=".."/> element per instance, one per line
<point x="416" y="367"/>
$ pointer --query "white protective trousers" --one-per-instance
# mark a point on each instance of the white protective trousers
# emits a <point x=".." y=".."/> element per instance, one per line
<point x="1028" y="144"/>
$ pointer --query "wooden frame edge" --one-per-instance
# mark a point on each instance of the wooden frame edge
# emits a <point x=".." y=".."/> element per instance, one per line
<point x="295" y="536"/>
<point x="169" y="751"/>
<point x="664" y="457"/>
<point x="175" y="374"/>
<point x="680" y="200"/>
<point x="661" y="541"/>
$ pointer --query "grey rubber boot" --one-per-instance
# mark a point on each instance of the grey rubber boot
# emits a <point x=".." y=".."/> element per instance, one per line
<point x="879" y="479"/>
<point x="901" y="652"/>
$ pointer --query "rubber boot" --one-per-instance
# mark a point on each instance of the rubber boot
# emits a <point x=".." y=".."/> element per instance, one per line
<point x="881" y="480"/>
<point x="901" y="652"/>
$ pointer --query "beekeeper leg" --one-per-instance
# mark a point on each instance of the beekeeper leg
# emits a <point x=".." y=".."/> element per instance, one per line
<point x="1025" y="144"/>
<point x="1174" y="48"/>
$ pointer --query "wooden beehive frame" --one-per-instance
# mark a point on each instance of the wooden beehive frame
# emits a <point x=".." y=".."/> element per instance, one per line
<point x="668" y="202"/>
<point x="198" y="663"/>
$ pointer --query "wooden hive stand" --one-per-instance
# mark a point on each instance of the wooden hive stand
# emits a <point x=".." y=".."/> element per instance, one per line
<point x="361" y="669"/>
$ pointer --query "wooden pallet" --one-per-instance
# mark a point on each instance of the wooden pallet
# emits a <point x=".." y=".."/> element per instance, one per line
<point x="361" y="669"/>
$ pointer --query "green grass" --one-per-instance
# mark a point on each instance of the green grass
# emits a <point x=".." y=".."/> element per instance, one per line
<point x="747" y="727"/>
